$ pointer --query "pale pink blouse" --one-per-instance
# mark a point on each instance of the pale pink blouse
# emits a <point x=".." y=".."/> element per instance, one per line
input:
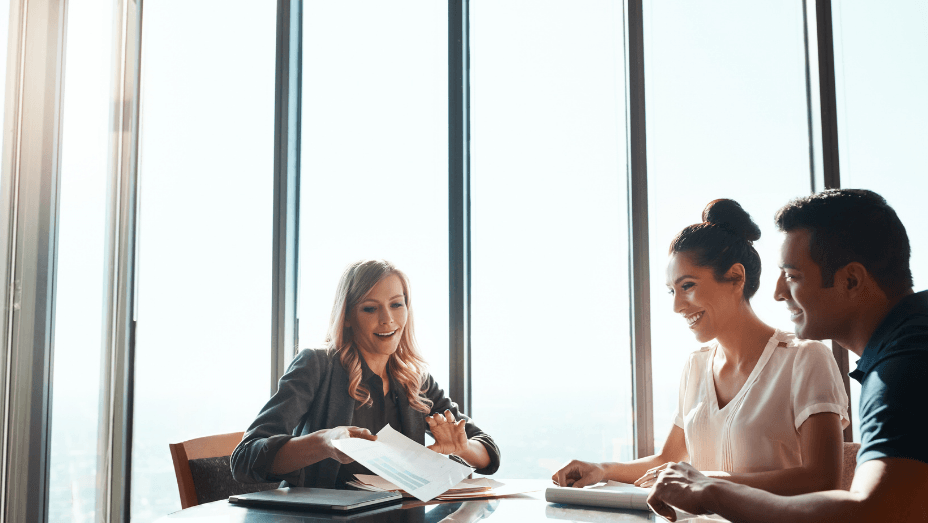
<point x="758" y="430"/>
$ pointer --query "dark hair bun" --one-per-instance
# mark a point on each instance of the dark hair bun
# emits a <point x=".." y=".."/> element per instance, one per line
<point x="729" y="215"/>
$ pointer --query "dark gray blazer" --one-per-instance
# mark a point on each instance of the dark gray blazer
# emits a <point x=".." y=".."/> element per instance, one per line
<point x="313" y="395"/>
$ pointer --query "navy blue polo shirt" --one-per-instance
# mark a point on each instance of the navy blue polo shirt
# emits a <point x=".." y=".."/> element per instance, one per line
<point x="893" y="374"/>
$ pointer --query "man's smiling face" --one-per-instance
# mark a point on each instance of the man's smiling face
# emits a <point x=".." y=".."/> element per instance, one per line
<point x="818" y="312"/>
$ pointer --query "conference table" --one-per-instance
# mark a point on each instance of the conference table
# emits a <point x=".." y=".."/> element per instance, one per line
<point x="526" y="508"/>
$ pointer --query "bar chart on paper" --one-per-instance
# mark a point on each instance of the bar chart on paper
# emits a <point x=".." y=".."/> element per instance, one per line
<point x="398" y="475"/>
<point x="416" y="469"/>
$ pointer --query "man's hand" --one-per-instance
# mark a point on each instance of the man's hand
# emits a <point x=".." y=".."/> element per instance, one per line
<point x="682" y="486"/>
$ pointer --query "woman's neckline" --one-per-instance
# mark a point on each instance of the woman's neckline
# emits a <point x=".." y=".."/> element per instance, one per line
<point x="759" y="365"/>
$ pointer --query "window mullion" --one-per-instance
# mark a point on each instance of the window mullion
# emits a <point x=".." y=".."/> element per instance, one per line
<point x="459" y="203"/>
<point x="29" y="221"/>
<point x="831" y="169"/>
<point x="286" y="233"/>
<point x="117" y="373"/>
<point x="639" y="284"/>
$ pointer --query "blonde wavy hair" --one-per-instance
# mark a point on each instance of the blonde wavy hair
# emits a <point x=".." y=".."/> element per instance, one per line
<point x="406" y="365"/>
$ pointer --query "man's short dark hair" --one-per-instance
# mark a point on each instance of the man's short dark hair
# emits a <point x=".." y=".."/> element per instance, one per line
<point x="852" y="225"/>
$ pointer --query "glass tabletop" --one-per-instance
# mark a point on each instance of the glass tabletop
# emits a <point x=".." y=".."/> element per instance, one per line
<point x="517" y="508"/>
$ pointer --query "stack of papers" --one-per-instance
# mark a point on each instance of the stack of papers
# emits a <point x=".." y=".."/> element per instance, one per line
<point x="466" y="489"/>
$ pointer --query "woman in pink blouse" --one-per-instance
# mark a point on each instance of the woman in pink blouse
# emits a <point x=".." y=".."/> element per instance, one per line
<point x="757" y="406"/>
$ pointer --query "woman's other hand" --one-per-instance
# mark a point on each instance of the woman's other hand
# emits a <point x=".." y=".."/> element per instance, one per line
<point x="312" y="448"/>
<point x="449" y="434"/>
<point x="650" y="477"/>
<point x="578" y="474"/>
<point x="327" y="437"/>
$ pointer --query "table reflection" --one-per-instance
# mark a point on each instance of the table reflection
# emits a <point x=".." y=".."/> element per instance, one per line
<point x="510" y="509"/>
<point x="558" y="511"/>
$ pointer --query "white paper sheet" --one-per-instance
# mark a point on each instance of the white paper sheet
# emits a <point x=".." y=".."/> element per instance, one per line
<point x="409" y="465"/>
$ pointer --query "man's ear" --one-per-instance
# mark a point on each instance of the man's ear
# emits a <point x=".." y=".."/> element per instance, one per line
<point x="851" y="277"/>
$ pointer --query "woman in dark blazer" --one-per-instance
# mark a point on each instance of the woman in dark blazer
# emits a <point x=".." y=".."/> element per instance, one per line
<point x="369" y="375"/>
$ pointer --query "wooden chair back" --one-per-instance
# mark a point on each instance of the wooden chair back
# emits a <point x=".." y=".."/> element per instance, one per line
<point x="206" y="447"/>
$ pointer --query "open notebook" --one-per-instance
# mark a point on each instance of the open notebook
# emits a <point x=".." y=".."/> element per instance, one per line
<point x="613" y="495"/>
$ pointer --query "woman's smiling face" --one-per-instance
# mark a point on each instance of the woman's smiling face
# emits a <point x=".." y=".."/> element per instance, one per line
<point x="706" y="304"/>
<point x="377" y="322"/>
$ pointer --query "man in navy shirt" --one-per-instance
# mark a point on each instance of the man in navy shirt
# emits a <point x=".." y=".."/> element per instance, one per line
<point x="844" y="275"/>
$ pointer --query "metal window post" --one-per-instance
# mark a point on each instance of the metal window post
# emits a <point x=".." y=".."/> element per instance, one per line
<point x="29" y="242"/>
<point x="286" y="240"/>
<point x="117" y="371"/>
<point x="640" y="311"/>
<point x="831" y="170"/>
<point x="459" y="203"/>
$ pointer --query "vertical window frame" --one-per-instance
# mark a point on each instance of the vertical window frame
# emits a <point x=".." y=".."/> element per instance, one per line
<point x="117" y="376"/>
<point x="286" y="212"/>
<point x="459" y="292"/>
<point x="29" y="219"/>
<point x="639" y="259"/>
<point x="831" y="169"/>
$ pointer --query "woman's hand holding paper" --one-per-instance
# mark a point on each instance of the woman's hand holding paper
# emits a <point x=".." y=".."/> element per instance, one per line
<point x="327" y="436"/>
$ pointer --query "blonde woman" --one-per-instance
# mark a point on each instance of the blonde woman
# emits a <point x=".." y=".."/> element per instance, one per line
<point x="369" y="375"/>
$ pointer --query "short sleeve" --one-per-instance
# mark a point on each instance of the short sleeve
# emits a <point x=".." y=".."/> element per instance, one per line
<point x="891" y="402"/>
<point x="817" y="385"/>
<point x="684" y="382"/>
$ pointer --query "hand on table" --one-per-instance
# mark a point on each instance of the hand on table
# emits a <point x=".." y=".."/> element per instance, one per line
<point x="650" y="477"/>
<point x="682" y="486"/>
<point x="578" y="474"/>
<point x="327" y="436"/>
<point x="449" y="434"/>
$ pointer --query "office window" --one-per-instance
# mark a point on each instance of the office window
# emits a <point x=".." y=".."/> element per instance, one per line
<point x="881" y="75"/>
<point x="550" y="336"/>
<point x="204" y="294"/>
<point x="727" y="118"/>
<point x="81" y="234"/>
<point x="374" y="165"/>
<point x="4" y="40"/>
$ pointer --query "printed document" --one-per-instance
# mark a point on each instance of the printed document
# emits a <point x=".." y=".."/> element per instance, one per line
<point x="419" y="471"/>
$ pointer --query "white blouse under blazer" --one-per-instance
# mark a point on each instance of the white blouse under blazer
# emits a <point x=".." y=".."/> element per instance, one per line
<point x="758" y="430"/>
